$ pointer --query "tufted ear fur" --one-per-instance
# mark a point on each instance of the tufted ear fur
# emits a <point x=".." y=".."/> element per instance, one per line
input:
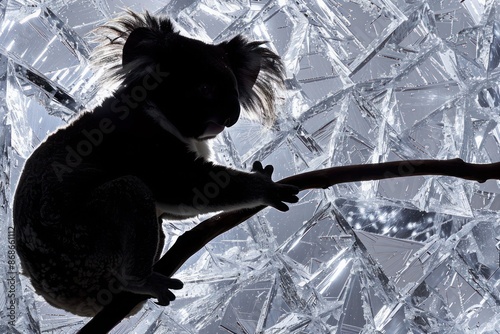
<point x="134" y="42"/>
<point x="258" y="70"/>
<point x="129" y="44"/>
<point x="142" y="42"/>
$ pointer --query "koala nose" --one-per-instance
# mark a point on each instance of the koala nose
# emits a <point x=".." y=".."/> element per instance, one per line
<point x="232" y="114"/>
<point x="230" y="121"/>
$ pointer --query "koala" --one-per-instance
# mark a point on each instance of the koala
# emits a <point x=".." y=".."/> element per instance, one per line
<point x="88" y="205"/>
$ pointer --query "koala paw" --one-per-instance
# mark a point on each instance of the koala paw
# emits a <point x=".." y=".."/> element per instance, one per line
<point x="163" y="293"/>
<point x="158" y="286"/>
<point x="279" y="193"/>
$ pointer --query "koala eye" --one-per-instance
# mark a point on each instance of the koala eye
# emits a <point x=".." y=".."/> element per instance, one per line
<point x="206" y="90"/>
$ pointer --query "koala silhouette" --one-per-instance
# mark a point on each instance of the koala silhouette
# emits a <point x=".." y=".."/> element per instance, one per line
<point x="87" y="206"/>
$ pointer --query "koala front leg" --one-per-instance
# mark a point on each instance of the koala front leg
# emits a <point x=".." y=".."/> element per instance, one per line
<point x="205" y="187"/>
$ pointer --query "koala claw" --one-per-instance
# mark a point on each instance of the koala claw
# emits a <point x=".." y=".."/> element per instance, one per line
<point x="158" y="286"/>
<point x="286" y="193"/>
<point x="281" y="192"/>
<point x="164" y="295"/>
<point x="257" y="167"/>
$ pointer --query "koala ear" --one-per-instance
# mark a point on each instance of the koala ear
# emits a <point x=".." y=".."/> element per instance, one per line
<point x="257" y="70"/>
<point x="244" y="61"/>
<point x="140" y="44"/>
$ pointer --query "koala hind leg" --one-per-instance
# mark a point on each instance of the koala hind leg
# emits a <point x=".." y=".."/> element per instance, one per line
<point x="126" y="211"/>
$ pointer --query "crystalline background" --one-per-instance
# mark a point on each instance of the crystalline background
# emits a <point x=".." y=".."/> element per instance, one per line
<point x="367" y="82"/>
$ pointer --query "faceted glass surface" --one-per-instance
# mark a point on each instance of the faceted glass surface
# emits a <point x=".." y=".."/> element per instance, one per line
<point x="367" y="82"/>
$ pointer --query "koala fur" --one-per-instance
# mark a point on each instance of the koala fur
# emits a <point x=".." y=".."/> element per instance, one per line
<point x="87" y="206"/>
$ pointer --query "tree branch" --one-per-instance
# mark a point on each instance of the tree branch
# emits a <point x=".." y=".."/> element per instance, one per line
<point x="195" y="239"/>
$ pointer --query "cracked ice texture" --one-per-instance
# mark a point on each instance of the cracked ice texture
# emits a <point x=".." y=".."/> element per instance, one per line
<point x="367" y="82"/>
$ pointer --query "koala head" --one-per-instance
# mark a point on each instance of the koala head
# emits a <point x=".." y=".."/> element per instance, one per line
<point x="205" y="84"/>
